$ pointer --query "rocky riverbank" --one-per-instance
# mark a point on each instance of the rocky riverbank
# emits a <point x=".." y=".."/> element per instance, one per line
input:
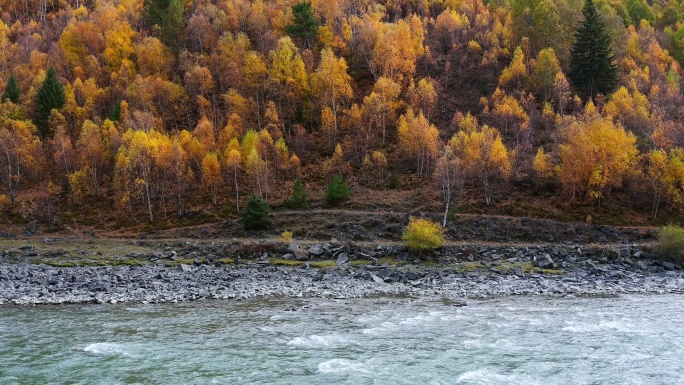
<point x="340" y="271"/>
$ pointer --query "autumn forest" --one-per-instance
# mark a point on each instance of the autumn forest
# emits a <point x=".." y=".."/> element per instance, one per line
<point x="152" y="111"/>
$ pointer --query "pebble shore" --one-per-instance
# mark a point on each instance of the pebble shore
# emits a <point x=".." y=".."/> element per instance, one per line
<point x="495" y="273"/>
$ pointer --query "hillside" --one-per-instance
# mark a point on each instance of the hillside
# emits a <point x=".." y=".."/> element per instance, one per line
<point x="144" y="115"/>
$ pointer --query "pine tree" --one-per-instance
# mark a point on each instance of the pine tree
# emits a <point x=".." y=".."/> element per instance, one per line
<point x="299" y="198"/>
<point x="337" y="191"/>
<point x="167" y="17"/>
<point x="592" y="70"/>
<point x="115" y="115"/>
<point x="305" y="24"/>
<point x="256" y="213"/>
<point x="11" y="90"/>
<point x="50" y="96"/>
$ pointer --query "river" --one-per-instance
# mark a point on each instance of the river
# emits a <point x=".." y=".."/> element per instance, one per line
<point x="512" y="340"/>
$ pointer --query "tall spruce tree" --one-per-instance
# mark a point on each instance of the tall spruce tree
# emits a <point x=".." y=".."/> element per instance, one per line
<point x="166" y="18"/>
<point x="50" y="96"/>
<point x="11" y="90"/>
<point x="305" y="24"/>
<point x="592" y="67"/>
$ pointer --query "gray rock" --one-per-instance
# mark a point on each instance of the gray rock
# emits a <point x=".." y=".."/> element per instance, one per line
<point x="184" y="268"/>
<point x="377" y="279"/>
<point x="519" y="271"/>
<point x="317" y="249"/>
<point x="298" y="250"/>
<point x="342" y="259"/>
<point x="669" y="266"/>
<point x="543" y="261"/>
<point x="411" y="276"/>
<point x="624" y="252"/>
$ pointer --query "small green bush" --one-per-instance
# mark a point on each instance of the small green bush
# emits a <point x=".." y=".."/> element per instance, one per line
<point x="299" y="198"/>
<point x="423" y="235"/>
<point x="337" y="191"/>
<point x="671" y="243"/>
<point x="255" y="216"/>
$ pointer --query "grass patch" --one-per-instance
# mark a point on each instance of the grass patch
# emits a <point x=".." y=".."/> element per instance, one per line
<point x="324" y="264"/>
<point x="226" y="261"/>
<point x="286" y="262"/>
<point x="467" y="267"/>
<point x="62" y="263"/>
<point x="390" y="261"/>
<point x="171" y="263"/>
<point x="126" y="262"/>
<point x="361" y="262"/>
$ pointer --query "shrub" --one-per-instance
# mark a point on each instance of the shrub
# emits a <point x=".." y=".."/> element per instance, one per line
<point x="286" y="237"/>
<point x="671" y="243"/>
<point x="337" y="191"/>
<point x="255" y="216"/>
<point x="299" y="198"/>
<point x="423" y="235"/>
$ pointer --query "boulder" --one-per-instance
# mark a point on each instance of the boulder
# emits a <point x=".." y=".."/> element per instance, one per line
<point x="669" y="266"/>
<point x="298" y="250"/>
<point x="624" y="252"/>
<point x="317" y="249"/>
<point x="184" y="268"/>
<point x="377" y="279"/>
<point x="519" y="271"/>
<point x="342" y="259"/>
<point x="411" y="276"/>
<point x="543" y="261"/>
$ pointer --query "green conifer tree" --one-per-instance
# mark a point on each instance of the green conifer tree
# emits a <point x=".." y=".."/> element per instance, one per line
<point x="337" y="191"/>
<point x="299" y="198"/>
<point x="166" y="18"/>
<point x="50" y="96"/>
<point x="115" y="115"/>
<point x="11" y="90"/>
<point x="305" y="24"/>
<point x="255" y="215"/>
<point x="592" y="67"/>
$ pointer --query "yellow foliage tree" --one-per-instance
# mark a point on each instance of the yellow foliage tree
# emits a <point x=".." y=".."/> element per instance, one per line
<point x="631" y="110"/>
<point x="665" y="174"/>
<point x="211" y="175"/>
<point x="515" y="75"/>
<point x="448" y="25"/>
<point x="418" y="140"/>
<point x="595" y="156"/>
<point x="484" y="158"/>
<point x="542" y="165"/>
<point x="331" y="83"/>
<point x="118" y="45"/>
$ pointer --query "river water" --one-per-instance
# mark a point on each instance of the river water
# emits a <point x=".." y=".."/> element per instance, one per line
<point x="516" y="340"/>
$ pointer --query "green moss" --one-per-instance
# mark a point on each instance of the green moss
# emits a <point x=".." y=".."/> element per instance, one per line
<point x="62" y="263"/>
<point x="286" y="262"/>
<point x="361" y="262"/>
<point x="324" y="264"/>
<point x="132" y="262"/>
<point x="467" y="267"/>
<point x="171" y="263"/>
<point x="226" y="261"/>
<point x="390" y="261"/>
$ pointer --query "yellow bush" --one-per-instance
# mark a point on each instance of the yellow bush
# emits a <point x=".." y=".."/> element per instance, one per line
<point x="286" y="237"/>
<point x="421" y="235"/>
<point x="671" y="243"/>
